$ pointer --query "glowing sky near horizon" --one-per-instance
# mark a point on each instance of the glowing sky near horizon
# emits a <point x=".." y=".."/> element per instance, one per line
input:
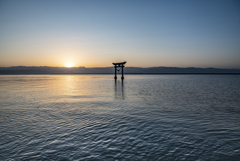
<point x="95" y="33"/>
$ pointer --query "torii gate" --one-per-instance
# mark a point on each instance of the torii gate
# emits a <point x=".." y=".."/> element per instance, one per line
<point x="116" y="65"/>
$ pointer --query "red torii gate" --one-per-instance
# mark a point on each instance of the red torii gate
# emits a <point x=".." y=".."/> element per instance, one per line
<point x="116" y="65"/>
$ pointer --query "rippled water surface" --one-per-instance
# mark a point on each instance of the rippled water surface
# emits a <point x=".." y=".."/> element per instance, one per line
<point x="92" y="117"/>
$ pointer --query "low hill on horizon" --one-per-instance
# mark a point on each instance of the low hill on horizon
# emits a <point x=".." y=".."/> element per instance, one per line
<point x="110" y="70"/>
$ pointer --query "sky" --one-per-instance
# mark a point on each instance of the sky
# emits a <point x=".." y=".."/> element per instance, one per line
<point x="145" y="33"/>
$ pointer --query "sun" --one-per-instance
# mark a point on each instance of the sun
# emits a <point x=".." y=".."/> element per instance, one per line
<point x="69" y="64"/>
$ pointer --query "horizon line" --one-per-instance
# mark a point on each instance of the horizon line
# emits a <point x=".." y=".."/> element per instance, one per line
<point x="127" y="67"/>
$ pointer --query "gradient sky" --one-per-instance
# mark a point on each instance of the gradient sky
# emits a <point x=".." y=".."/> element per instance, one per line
<point x="95" y="33"/>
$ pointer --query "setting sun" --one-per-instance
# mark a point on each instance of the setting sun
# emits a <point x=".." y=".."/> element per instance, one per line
<point x="69" y="64"/>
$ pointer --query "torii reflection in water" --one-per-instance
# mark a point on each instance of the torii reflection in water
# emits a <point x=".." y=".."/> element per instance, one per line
<point x="119" y="90"/>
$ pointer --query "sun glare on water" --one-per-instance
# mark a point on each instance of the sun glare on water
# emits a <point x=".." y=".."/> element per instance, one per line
<point x="69" y="64"/>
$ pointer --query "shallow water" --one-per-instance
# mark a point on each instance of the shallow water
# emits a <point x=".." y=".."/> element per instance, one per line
<point x="145" y="117"/>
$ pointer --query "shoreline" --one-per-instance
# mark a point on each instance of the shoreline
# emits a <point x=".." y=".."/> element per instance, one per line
<point x="119" y="74"/>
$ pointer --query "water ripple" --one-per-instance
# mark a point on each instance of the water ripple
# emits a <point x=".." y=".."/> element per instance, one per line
<point x="144" y="118"/>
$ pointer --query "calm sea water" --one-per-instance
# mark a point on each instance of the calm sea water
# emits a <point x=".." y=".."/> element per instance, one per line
<point x="145" y="117"/>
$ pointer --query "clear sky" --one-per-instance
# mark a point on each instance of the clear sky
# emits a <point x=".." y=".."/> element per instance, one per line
<point x="95" y="33"/>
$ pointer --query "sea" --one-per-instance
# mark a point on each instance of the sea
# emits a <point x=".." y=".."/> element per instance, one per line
<point x="140" y="118"/>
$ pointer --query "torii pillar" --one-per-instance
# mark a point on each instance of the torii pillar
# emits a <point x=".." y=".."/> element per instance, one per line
<point x="116" y="65"/>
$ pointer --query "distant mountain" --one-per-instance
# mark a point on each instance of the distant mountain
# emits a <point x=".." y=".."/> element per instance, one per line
<point x="110" y="70"/>
<point x="176" y="70"/>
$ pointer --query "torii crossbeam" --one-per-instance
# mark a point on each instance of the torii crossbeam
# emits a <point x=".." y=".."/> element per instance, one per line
<point x="116" y="65"/>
